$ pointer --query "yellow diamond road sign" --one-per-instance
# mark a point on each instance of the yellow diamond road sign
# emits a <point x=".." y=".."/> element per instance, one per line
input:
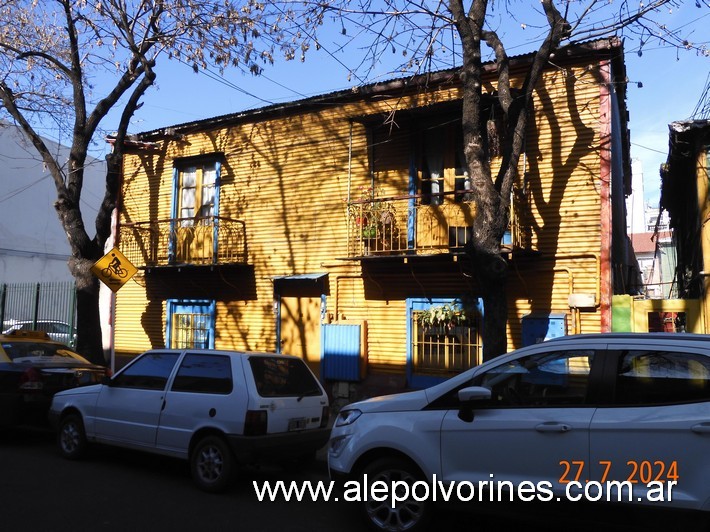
<point x="114" y="269"/>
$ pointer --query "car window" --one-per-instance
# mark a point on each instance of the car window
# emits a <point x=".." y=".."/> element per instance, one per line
<point x="658" y="377"/>
<point x="283" y="377"/>
<point x="560" y="378"/>
<point x="204" y="374"/>
<point x="29" y="351"/>
<point x="150" y="372"/>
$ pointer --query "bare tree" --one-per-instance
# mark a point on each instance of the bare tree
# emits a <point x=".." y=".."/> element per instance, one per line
<point x="432" y="35"/>
<point x="54" y="56"/>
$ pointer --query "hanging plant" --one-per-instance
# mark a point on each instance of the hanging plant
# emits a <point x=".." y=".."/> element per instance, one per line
<point x="448" y="315"/>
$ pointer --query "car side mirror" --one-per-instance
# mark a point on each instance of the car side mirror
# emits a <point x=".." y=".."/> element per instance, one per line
<point x="467" y="397"/>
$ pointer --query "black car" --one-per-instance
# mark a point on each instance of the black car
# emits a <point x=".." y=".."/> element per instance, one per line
<point x="33" y="367"/>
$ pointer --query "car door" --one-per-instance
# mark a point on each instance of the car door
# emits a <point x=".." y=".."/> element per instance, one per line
<point x="535" y="423"/>
<point x="203" y="392"/>
<point x="657" y="428"/>
<point x="128" y="410"/>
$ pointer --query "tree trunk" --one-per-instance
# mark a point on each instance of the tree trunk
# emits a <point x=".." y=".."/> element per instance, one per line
<point x="89" y="338"/>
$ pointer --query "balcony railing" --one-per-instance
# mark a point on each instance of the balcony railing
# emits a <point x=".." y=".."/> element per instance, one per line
<point x="196" y="241"/>
<point x="405" y="225"/>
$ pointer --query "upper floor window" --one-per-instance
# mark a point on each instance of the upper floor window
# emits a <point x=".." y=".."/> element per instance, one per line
<point x="195" y="206"/>
<point x="196" y="196"/>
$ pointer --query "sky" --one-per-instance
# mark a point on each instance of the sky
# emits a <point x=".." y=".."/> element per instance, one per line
<point x="665" y="86"/>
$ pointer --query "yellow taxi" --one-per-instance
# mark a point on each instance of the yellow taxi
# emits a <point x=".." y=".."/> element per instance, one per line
<point x="33" y="367"/>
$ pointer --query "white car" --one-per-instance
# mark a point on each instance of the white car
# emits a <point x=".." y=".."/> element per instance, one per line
<point x="617" y="417"/>
<point x="216" y="409"/>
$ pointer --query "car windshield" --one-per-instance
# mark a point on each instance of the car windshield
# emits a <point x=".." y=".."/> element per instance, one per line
<point x="283" y="377"/>
<point x="28" y="351"/>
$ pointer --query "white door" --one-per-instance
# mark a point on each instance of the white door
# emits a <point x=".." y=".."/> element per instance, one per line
<point x="537" y="419"/>
<point x="128" y="410"/>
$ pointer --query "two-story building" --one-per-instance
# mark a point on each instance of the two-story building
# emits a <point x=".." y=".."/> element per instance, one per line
<point x="334" y="227"/>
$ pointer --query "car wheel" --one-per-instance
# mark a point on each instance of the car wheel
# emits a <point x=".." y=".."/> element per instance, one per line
<point x="409" y="514"/>
<point x="71" y="438"/>
<point x="212" y="464"/>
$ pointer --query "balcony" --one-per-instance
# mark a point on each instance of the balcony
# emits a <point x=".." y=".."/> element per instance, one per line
<point x="402" y="225"/>
<point x="207" y="240"/>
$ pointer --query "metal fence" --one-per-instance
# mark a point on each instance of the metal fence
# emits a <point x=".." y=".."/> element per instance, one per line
<point x="49" y="307"/>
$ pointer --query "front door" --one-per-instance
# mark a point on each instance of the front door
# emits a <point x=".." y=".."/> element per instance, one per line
<point x="300" y="329"/>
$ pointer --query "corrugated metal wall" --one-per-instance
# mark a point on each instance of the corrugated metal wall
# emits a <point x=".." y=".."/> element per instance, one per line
<point x="288" y="178"/>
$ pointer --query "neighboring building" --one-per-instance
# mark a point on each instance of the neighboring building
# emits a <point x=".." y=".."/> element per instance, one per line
<point x="656" y="257"/>
<point x="33" y="246"/>
<point x="333" y="228"/>
<point x="685" y="194"/>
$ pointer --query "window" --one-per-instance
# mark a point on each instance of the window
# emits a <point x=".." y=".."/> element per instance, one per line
<point x="444" y="349"/>
<point x="191" y="324"/>
<point x="282" y="377"/>
<point x="195" y="209"/>
<point x="661" y="377"/>
<point x="150" y="372"/>
<point x="549" y="379"/>
<point x="432" y="172"/>
<point x="204" y="374"/>
<point x="196" y="194"/>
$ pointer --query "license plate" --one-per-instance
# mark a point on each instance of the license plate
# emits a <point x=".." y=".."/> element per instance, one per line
<point x="297" y="423"/>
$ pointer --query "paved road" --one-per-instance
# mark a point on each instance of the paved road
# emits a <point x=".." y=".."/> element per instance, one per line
<point x="116" y="490"/>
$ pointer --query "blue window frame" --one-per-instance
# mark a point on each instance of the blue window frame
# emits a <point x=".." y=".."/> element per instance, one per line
<point x="436" y="353"/>
<point x="190" y="324"/>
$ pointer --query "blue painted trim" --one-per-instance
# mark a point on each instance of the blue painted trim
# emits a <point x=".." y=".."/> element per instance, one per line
<point x="412" y="204"/>
<point x="277" y="302"/>
<point x="215" y="229"/>
<point x="171" y="241"/>
<point x="422" y="303"/>
<point x="175" y="306"/>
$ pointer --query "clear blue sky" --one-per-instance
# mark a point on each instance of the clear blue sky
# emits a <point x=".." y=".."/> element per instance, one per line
<point x="673" y="82"/>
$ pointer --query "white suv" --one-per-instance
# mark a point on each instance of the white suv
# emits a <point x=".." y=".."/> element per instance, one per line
<point x="215" y="408"/>
<point x="563" y="420"/>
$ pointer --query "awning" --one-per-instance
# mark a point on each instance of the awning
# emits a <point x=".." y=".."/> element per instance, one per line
<point x="301" y="284"/>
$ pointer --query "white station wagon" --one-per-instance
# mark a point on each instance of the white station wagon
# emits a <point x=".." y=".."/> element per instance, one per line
<point x="617" y="417"/>
<point x="216" y="409"/>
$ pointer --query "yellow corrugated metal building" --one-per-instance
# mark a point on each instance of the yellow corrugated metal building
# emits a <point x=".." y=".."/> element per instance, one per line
<point x="328" y="227"/>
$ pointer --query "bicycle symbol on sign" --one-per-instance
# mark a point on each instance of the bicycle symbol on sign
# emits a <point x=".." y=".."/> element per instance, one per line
<point x="114" y="268"/>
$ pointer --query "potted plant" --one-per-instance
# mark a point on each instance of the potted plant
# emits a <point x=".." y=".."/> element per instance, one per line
<point x="374" y="217"/>
<point x="441" y="319"/>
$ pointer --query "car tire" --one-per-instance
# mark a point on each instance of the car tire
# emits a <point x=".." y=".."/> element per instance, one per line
<point x="212" y="464"/>
<point x="410" y="514"/>
<point x="71" y="437"/>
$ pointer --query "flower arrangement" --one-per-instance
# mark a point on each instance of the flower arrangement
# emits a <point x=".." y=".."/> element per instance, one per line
<point x="372" y="214"/>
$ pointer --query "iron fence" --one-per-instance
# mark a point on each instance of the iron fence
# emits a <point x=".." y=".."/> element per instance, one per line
<point x="49" y="307"/>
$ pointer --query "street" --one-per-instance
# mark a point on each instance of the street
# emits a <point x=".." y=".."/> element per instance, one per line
<point x="114" y="489"/>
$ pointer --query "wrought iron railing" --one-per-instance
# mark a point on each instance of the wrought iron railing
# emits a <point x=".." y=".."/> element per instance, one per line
<point x="198" y="241"/>
<point x="406" y="224"/>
